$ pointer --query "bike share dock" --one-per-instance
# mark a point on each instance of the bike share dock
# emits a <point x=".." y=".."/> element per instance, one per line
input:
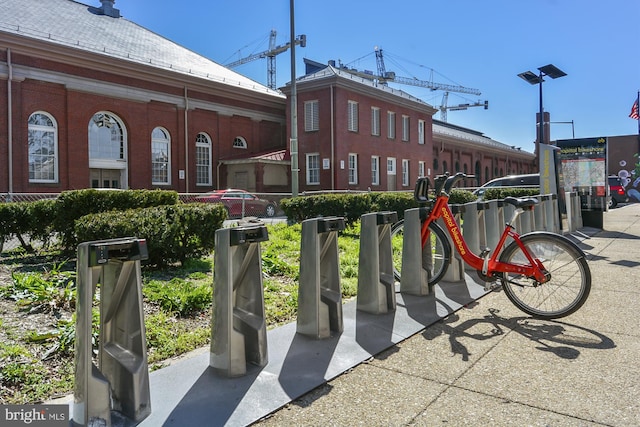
<point x="303" y="356"/>
<point x="116" y="391"/>
<point x="248" y="374"/>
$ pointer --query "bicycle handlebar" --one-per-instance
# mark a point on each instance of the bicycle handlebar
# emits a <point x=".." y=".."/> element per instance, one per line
<point x="443" y="184"/>
<point x="446" y="182"/>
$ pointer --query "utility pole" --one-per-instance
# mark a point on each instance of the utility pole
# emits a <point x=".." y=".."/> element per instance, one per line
<point x="294" y="110"/>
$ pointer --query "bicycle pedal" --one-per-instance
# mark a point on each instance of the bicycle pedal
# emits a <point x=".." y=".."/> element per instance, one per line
<point x="489" y="287"/>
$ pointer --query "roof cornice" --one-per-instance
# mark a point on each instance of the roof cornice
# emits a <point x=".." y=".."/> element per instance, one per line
<point x="133" y="69"/>
<point x="361" y="86"/>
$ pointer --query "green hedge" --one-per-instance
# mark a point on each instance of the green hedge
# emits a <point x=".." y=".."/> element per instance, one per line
<point x="501" y="193"/>
<point x="353" y="206"/>
<point x="174" y="233"/>
<point x="40" y="214"/>
<point x="13" y="222"/>
<point x="72" y="205"/>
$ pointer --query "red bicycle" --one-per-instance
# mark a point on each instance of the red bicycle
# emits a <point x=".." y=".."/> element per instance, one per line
<point x="545" y="275"/>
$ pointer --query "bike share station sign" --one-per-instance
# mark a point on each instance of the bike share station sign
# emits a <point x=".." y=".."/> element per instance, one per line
<point x="584" y="171"/>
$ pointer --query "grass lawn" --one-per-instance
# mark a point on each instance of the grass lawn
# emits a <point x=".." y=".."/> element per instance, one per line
<point x="37" y="309"/>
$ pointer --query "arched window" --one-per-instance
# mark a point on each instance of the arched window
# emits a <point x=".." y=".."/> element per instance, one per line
<point x="160" y="157"/>
<point x="457" y="166"/>
<point x="435" y="164"/>
<point x="107" y="151"/>
<point x="444" y="167"/>
<point x="239" y="142"/>
<point x="106" y="138"/>
<point x="43" y="148"/>
<point x="203" y="159"/>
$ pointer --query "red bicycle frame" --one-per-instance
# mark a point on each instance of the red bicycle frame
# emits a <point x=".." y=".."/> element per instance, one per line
<point x="441" y="209"/>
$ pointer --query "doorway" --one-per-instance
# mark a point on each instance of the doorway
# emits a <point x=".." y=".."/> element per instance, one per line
<point x="105" y="178"/>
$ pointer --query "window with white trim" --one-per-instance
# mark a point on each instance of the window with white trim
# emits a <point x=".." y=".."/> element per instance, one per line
<point x="106" y="140"/>
<point x="353" y="168"/>
<point x="391" y="125"/>
<point x="311" y="115"/>
<point x="313" y="169"/>
<point x="352" y="116"/>
<point x="405" y="172"/>
<point x="405" y="128"/>
<point x="43" y="148"/>
<point x="420" y="131"/>
<point x="391" y="165"/>
<point x="421" y="169"/>
<point x="160" y="157"/>
<point x="239" y="142"/>
<point x="375" y="121"/>
<point x="203" y="159"/>
<point x="375" y="170"/>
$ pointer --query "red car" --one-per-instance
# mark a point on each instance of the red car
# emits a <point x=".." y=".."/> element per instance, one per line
<point x="240" y="203"/>
<point x="617" y="192"/>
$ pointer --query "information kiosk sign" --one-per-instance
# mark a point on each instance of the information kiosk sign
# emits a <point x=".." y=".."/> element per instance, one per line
<point x="583" y="164"/>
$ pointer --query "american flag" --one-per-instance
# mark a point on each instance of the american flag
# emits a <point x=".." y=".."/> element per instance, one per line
<point x="634" y="111"/>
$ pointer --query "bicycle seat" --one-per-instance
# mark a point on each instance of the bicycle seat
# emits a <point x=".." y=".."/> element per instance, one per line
<point x="525" y="202"/>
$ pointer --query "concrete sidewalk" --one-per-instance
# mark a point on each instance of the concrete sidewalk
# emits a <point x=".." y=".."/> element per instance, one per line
<point x="490" y="364"/>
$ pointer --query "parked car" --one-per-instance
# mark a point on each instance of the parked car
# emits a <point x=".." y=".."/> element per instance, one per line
<point x="617" y="192"/>
<point x="528" y="180"/>
<point x="240" y="203"/>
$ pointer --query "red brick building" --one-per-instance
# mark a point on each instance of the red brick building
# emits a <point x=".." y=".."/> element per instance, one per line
<point x="457" y="149"/>
<point x="354" y="134"/>
<point x="90" y="99"/>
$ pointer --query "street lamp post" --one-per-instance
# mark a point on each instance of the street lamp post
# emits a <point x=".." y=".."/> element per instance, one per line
<point x="533" y="78"/>
<point x="548" y="174"/>
<point x="573" y="130"/>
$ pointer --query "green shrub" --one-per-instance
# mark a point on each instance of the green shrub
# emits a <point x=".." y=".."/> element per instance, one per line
<point x="72" y="205"/>
<point x="40" y="214"/>
<point x="349" y="206"/>
<point x="394" y="202"/>
<point x="173" y="233"/>
<point x="459" y="197"/>
<point x="501" y="193"/>
<point x="353" y="206"/>
<point x="15" y="222"/>
<point x="6" y="222"/>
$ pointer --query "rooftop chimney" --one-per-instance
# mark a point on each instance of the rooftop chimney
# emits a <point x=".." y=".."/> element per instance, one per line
<point x="108" y="9"/>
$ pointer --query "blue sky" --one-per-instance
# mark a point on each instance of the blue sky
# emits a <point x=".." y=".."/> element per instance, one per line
<point x="472" y="43"/>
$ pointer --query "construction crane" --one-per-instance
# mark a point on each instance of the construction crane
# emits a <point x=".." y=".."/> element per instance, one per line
<point x="270" y="54"/>
<point x="384" y="76"/>
<point x="444" y="107"/>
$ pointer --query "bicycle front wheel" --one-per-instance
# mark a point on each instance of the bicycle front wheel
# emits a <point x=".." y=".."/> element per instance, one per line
<point x="570" y="282"/>
<point x="435" y="258"/>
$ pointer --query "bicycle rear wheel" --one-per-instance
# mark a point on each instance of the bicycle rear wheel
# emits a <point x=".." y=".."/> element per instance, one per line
<point x="570" y="282"/>
<point x="435" y="261"/>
